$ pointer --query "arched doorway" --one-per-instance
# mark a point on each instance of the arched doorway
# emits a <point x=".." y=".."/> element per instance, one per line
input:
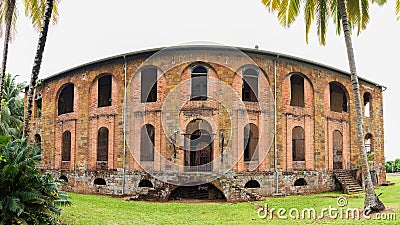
<point x="199" y="146"/>
<point x="201" y="191"/>
<point x="337" y="150"/>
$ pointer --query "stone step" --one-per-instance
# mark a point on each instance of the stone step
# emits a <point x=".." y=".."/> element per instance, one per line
<point x="347" y="181"/>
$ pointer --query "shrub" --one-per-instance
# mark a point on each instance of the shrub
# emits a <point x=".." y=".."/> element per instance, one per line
<point x="26" y="196"/>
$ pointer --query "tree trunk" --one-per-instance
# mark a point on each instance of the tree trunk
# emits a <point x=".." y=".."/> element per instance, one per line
<point x="372" y="202"/>
<point x="36" y="65"/>
<point x="9" y="18"/>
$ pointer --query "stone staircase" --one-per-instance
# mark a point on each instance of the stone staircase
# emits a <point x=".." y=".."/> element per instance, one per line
<point x="242" y="194"/>
<point x="347" y="181"/>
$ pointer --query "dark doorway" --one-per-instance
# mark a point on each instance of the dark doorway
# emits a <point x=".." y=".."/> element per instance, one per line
<point x="337" y="150"/>
<point x="145" y="183"/>
<point x="198" y="158"/>
<point x="202" y="192"/>
<point x="250" y="142"/>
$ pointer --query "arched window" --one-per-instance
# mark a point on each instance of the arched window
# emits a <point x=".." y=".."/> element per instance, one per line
<point x="250" y="142"/>
<point x="250" y="85"/>
<point x="368" y="143"/>
<point x="145" y="183"/>
<point x="298" y="144"/>
<point x="147" y="143"/>
<point x="199" y="84"/>
<point x="367" y="104"/>
<point x="99" y="181"/>
<point x="148" y="92"/>
<point x="66" y="146"/>
<point x="66" y="100"/>
<point x="297" y="90"/>
<point x="300" y="182"/>
<point x="252" y="184"/>
<point x="102" y="144"/>
<point x="338" y="98"/>
<point x="104" y="91"/>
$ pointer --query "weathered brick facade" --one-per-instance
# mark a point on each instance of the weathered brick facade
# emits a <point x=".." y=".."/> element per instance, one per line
<point x="224" y="112"/>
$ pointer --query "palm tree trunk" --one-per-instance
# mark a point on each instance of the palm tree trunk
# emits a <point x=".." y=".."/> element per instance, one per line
<point x="372" y="202"/>
<point x="36" y="65"/>
<point x="9" y="18"/>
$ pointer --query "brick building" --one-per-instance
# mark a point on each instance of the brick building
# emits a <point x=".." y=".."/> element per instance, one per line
<point x="167" y="123"/>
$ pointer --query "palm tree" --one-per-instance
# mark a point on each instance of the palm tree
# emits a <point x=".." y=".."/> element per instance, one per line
<point x="8" y="19"/>
<point x="13" y="108"/>
<point x="37" y="63"/>
<point x="346" y="15"/>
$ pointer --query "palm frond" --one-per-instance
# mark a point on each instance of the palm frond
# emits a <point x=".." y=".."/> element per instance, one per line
<point x="288" y="11"/>
<point x="398" y="9"/>
<point x="322" y="14"/>
<point x="309" y="11"/>
<point x="271" y="5"/>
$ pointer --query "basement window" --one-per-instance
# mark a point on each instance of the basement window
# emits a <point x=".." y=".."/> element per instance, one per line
<point x="148" y="85"/>
<point x="145" y="183"/>
<point x="104" y="91"/>
<point x="66" y="146"/>
<point x="63" y="178"/>
<point x="199" y="83"/>
<point x="102" y="144"/>
<point x="250" y="85"/>
<point x="252" y="184"/>
<point x="99" y="181"/>
<point x="297" y="90"/>
<point x="338" y="99"/>
<point x="66" y="100"/>
<point x="367" y="104"/>
<point x="300" y="182"/>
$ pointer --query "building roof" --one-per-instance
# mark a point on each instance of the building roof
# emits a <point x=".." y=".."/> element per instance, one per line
<point x="212" y="47"/>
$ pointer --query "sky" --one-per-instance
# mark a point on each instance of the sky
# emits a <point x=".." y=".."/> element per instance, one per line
<point x="94" y="29"/>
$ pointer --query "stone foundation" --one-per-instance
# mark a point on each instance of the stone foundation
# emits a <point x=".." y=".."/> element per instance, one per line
<point x="232" y="185"/>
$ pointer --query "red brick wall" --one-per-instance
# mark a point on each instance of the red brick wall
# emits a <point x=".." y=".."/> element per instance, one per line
<point x="315" y="118"/>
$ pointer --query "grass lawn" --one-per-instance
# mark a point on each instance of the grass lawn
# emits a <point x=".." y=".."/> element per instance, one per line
<point x="94" y="209"/>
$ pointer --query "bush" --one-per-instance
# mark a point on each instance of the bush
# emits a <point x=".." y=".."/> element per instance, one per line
<point x="393" y="166"/>
<point x="26" y="196"/>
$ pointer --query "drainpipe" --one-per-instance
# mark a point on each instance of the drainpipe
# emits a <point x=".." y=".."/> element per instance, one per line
<point x="124" y="118"/>
<point x="275" y="120"/>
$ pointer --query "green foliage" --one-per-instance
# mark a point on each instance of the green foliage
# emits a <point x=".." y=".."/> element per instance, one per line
<point x="26" y="196"/>
<point x="4" y="140"/>
<point x="393" y="166"/>
<point x="12" y="113"/>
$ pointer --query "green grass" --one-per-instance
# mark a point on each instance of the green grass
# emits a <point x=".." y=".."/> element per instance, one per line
<point x="94" y="209"/>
